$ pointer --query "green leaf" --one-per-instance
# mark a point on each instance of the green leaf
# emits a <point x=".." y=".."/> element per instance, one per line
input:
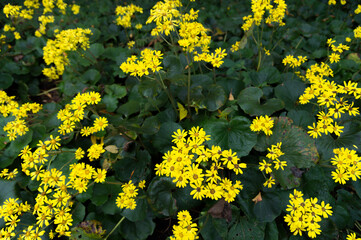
<point x="234" y="135"/>
<point x="352" y="204"/>
<point x="91" y="76"/>
<point x="117" y="54"/>
<point x="318" y="182"/>
<point x="64" y="159"/>
<point x="135" y="168"/>
<point x="111" y="102"/>
<point x="116" y="90"/>
<point x="214" y="229"/>
<point x="215" y="97"/>
<point x="269" y="208"/>
<point x="341" y="217"/>
<point x="162" y="141"/>
<point x="151" y="125"/>
<point x="249" y="100"/>
<point x="101" y="194"/>
<point x="95" y="50"/>
<point x="267" y="75"/>
<point x="173" y="65"/>
<point x="184" y="198"/>
<point x="350" y="136"/>
<point x="139" y="213"/>
<point x="271" y="231"/>
<point x="298" y="147"/>
<point x="161" y="197"/>
<point x="78" y="213"/>
<point x="128" y="108"/>
<point x="12" y="151"/>
<point x="149" y="88"/>
<point x="8" y="190"/>
<point x="137" y="230"/>
<point x="6" y="80"/>
<point x="289" y="92"/>
<point x="246" y="229"/>
<point x="78" y="233"/>
<point x="82" y="197"/>
<point x="49" y="115"/>
<point x="252" y="180"/>
<point x="301" y="118"/>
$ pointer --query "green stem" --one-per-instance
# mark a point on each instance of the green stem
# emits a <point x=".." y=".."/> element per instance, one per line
<point x="120" y="221"/>
<point x="48" y="91"/>
<point x="214" y="74"/>
<point x="259" y="58"/>
<point x="167" y="91"/>
<point x="66" y="163"/>
<point x="53" y="157"/>
<point x="205" y="222"/>
<point x="189" y="87"/>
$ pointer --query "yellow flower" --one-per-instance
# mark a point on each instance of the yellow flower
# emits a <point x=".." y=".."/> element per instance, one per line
<point x="100" y="124"/>
<point x="79" y="154"/>
<point x="340" y="176"/>
<point x="95" y="151"/>
<point x="99" y="175"/>
<point x="53" y="143"/>
<point x="271" y="181"/>
<point x="334" y="57"/>
<point x="264" y="166"/>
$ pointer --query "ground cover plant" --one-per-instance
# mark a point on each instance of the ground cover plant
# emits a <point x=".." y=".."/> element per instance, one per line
<point x="180" y="119"/>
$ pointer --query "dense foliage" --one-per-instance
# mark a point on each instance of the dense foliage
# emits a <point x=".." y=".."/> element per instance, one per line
<point x="180" y="119"/>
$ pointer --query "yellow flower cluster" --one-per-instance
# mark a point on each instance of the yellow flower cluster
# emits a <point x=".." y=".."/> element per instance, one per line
<point x="294" y="62"/>
<point x="186" y="229"/>
<point x="352" y="236"/>
<point x="8" y="175"/>
<point x="75" y="9"/>
<point x="235" y="46"/>
<point x="327" y="94"/>
<point x="73" y="113"/>
<point x="11" y="210"/>
<point x="347" y="164"/>
<point x="47" y="16"/>
<point x="336" y="50"/>
<point x="305" y="214"/>
<point x="126" y="199"/>
<point x="44" y="20"/>
<point x="125" y="14"/>
<point x="357" y="32"/>
<point x="358" y="9"/>
<point x="192" y="34"/>
<point x="94" y="151"/>
<point x="262" y="123"/>
<point x="130" y="44"/>
<point x="11" y="108"/>
<point x="15" y="11"/>
<point x="148" y="62"/>
<point x="55" y="50"/>
<point x="214" y="58"/>
<point x="183" y="165"/>
<point x="26" y="12"/>
<point x="266" y="166"/>
<point x="81" y="173"/>
<point x="53" y="199"/>
<point x="259" y="8"/>
<point x="166" y="17"/>
<point x="333" y="2"/>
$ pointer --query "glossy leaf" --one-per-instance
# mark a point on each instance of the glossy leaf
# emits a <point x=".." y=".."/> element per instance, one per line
<point x="249" y="100"/>
<point x="234" y="134"/>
